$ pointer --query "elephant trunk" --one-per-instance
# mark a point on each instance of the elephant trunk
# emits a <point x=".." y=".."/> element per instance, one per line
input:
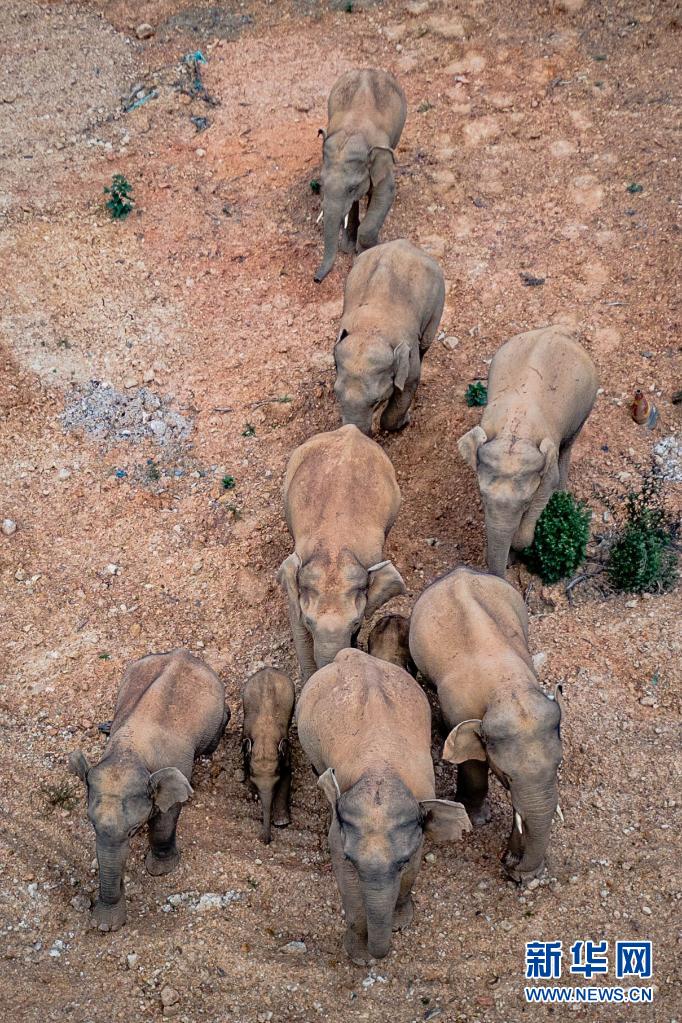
<point x="380" y="900"/>
<point x="332" y="225"/>
<point x="111" y="859"/>
<point x="358" y="415"/>
<point x="327" y="645"/>
<point x="536" y="810"/>
<point x="499" y="537"/>
<point x="265" y="793"/>
<point x="304" y="648"/>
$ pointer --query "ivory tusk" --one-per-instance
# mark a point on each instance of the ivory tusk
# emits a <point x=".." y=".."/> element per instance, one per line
<point x="559" y="813"/>
<point x="518" y="822"/>
<point x="345" y="223"/>
<point x="320" y="217"/>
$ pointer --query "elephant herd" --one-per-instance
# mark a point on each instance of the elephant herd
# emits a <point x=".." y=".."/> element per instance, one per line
<point x="363" y="720"/>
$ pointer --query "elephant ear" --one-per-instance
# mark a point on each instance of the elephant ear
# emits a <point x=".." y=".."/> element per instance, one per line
<point x="168" y="787"/>
<point x="464" y="743"/>
<point x="551" y="466"/>
<point x="384" y="581"/>
<point x="401" y="365"/>
<point x="287" y="577"/>
<point x="381" y="160"/>
<point x="444" y="820"/>
<point x="329" y="785"/>
<point x="78" y="765"/>
<point x="470" y="443"/>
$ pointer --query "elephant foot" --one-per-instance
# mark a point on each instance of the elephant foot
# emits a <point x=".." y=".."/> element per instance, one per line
<point x="478" y="815"/>
<point x="281" y="820"/>
<point x="515" y="873"/>
<point x="347" y="244"/>
<point x="107" y="916"/>
<point x="158" y="865"/>
<point x="356" y="948"/>
<point x="403" y="915"/>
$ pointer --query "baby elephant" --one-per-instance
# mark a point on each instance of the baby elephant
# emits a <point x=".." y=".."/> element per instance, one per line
<point x="389" y="640"/>
<point x="366" y="111"/>
<point x="340" y="498"/>
<point x="268" y="700"/>
<point x="391" y="310"/>
<point x="170" y="709"/>
<point x="541" y="389"/>
<point x="469" y="636"/>
<point x="366" y="728"/>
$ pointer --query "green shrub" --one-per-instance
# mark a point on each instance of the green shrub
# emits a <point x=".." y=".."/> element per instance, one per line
<point x="120" y="201"/>
<point x="315" y="186"/>
<point x="560" y="540"/>
<point x="228" y="482"/>
<point x="643" y="560"/>
<point x="476" y="394"/>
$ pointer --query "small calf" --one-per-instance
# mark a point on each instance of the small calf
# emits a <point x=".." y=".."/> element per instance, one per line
<point x="268" y="700"/>
<point x="389" y="640"/>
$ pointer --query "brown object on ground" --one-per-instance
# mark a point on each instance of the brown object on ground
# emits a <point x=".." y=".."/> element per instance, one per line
<point x="208" y="285"/>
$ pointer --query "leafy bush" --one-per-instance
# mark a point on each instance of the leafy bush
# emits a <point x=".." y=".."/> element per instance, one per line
<point x="120" y="201"/>
<point x="476" y="394"/>
<point x="643" y="560"/>
<point x="560" y="540"/>
<point x="228" y="482"/>
<point x="315" y="186"/>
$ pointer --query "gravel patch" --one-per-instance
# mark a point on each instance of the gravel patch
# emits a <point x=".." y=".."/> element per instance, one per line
<point x="115" y="416"/>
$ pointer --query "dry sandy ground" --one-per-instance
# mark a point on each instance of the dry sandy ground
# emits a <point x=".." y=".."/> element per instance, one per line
<point x="526" y="125"/>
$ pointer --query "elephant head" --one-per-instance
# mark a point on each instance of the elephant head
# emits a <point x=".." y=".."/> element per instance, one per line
<point x="389" y="640"/>
<point x="264" y="765"/>
<point x="516" y="479"/>
<point x="379" y="827"/>
<point x="367" y="371"/>
<point x="522" y="746"/>
<point x="122" y="796"/>
<point x="328" y="597"/>
<point x="350" y="166"/>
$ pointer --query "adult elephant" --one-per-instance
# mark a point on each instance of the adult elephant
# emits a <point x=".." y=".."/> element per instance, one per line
<point x="366" y="114"/>
<point x="340" y="499"/>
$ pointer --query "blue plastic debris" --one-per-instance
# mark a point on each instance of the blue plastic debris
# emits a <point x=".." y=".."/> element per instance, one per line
<point x="195" y="58"/>
<point x="143" y="99"/>
<point x="120" y="474"/>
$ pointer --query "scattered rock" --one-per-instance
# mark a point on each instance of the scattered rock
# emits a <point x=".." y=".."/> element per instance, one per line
<point x="144" y="31"/>
<point x="64" y="474"/>
<point x="81" y="902"/>
<point x="294" y="948"/>
<point x="539" y="660"/>
<point x="114" y="416"/>
<point x="450" y="342"/>
<point x="9" y="527"/>
<point x="649" y="701"/>
<point x="131" y="960"/>
<point x="447" y="28"/>
<point x="430" y="857"/>
<point x="203" y="903"/>
<point x="533" y="884"/>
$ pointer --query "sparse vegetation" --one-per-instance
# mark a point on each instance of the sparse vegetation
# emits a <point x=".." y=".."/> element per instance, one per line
<point x="120" y="202"/>
<point x="643" y="558"/>
<point x="424" y="106"/>
<point x="315" y="186"/>
<point x="634" y="188"/>
<point x="476" y="394"/>
<point x="153" y="471"/>
<point x="228" y="482"/>
<point x="63" y="796"/>
<point x="560" y="540"/>
<point x="249" y="430"/>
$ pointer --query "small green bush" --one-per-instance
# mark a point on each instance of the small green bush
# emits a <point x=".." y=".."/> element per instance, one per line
<point x="315" y="186"/>
<point x="228" y="482"/>
<point x="560" y="540"/>
<point x="120" y="201"/>
<point x="643" y="560"/>
<point x="476" y="394"/>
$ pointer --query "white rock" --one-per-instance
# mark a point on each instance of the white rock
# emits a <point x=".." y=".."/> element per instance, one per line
<point x="9" y="527"/>
<point x="451" y="342"/>
<point x="294" y="948"/>
<point x="144" y="31"/>
<point x="64" y="474"/>
<point x="539" y="660"/>
<point x="158" y="427"/>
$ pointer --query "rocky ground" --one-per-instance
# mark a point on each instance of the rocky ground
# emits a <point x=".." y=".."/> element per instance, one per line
<point x="146" y="361"/>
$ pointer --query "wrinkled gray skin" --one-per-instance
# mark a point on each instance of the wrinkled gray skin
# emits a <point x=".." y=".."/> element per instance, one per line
<point x="541" y="389"/>
<point x="340" y="499"/>
<point x="170" y="709"/>
<point x="392" y="306"/>
<point x="366" y="113"/>
<point x="389" y="640"/>
<point x="469" y="636"/>
<point x="268" y="700"/>
<point x="365" y="725"/>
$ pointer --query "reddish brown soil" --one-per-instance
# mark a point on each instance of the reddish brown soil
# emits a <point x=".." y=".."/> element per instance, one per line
<point x="537" y="121"/>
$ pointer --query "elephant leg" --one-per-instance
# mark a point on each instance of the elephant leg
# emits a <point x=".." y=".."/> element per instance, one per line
<point x="282" y="802"/>
<point x="429" y="333"/>
<point x="163" y="855"/>
<point x="355" y="938"/>
<point x="396" y="415"/>
<point x="212" y="745"/>
<point x="514" y="851"/>
<point x="349" y="237"/>
<point x="382" y="196"/>
<point x="565" y="462"/>
<point x="472" y="790"/>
